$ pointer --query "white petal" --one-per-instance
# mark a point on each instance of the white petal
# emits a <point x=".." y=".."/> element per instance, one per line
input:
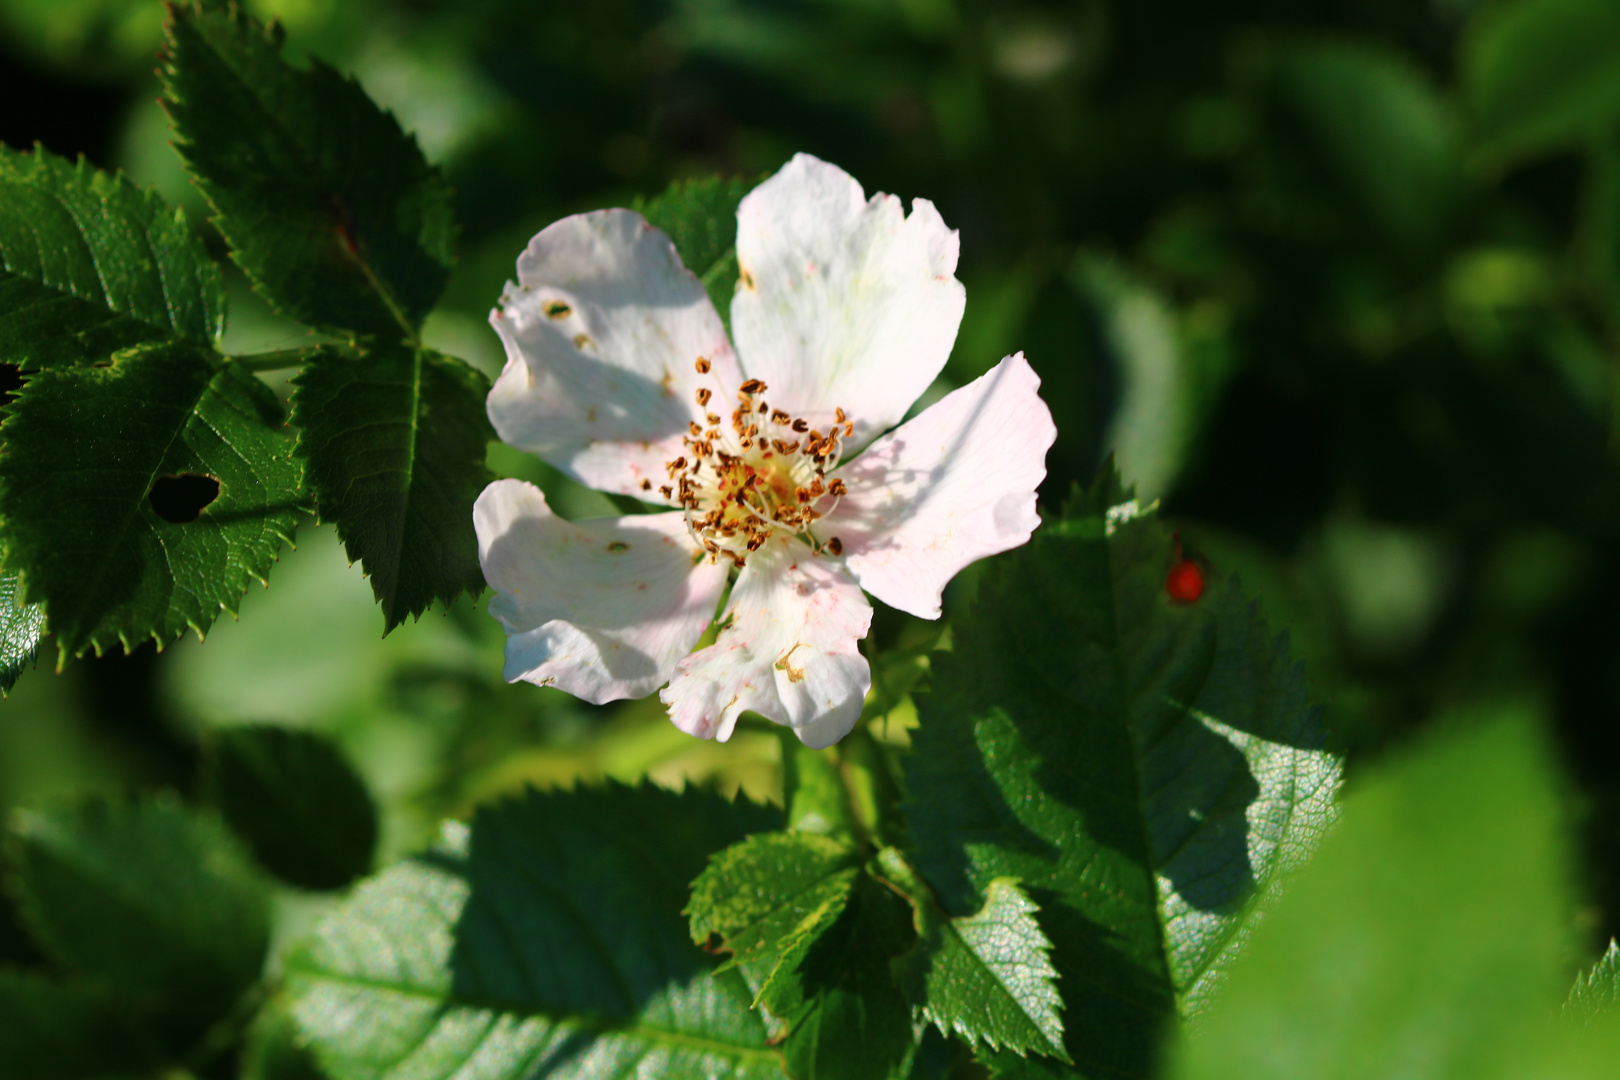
<point x="788" y="652"/>
<point x="603" y="608"/>
<point x="602" y="332"/>
<point x="951" y="486"/>
<point x="843" y="302"/>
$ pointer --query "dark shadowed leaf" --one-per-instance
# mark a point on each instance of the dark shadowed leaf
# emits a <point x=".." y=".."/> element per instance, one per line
<point x="153" y="898"/>
<point x="90" y="264"/>
<point x="394" y="439"/>
<point x="1541" y="75"/>
<point x="54" y="1028"/>
<point x="296" y="801"/>
<point x="547" y="941"/>
<point x="328" y="206"/>
<point x="1144" y="768"/>
<point x="143" y="496"/>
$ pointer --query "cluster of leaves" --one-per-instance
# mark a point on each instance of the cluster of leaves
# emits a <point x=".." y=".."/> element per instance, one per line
<point x="141" y="926"/>
<point x="1105" y="853"/>
<point x="146" y="478"/>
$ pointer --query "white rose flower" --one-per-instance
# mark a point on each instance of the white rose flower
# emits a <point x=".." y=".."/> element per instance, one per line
<point x="775" y="456"/>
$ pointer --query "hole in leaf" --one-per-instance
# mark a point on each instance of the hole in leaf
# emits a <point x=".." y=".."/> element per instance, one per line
<point x="179" y="499"/>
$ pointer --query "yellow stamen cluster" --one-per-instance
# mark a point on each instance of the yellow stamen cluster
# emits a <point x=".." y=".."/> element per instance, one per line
<point x="764" y="470"/>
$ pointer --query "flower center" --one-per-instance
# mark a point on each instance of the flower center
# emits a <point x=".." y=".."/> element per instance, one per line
<point x="759" y="470"/>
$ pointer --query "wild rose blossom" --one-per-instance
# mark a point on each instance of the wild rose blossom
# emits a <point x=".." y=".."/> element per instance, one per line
<point x="775" y="456"/>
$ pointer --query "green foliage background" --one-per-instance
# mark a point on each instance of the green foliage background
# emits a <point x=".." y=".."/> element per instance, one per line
<point x="1337" y="281"/>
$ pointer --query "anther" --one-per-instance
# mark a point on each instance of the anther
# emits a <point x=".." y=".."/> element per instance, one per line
<point x="646" y="485"/>
<point x="836" y="487"/>
<point x="702" y="365"/>
<point x="752" y="386"/>
<point x="800" y="426"/>
<point x="713" y="420"/>
<point x="697" y="432"/>
<point x="779" y="417"/>
<point x="666" y="491"/>
<point x="704" y="395"/>
<point x="836" y="546"/>
<point x="838" y="414"/>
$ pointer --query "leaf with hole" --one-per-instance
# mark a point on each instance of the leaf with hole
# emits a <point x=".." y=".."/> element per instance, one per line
<point x="1146" y="769"/>
<point x="296" y="801"/>
<point x="91" y="264"/>
<point x="394" y="439"/>
<point x="108" y="532"/>
<point x="153" y="898"/>
<point x="545" y="940"/>
<point x="328" y="207"/>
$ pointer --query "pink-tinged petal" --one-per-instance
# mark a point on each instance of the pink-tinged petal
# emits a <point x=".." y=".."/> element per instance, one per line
<point x="602" y="333"/>
<point x="603" y="609"/>
<point x="788" y="651"/>
<point x="951" y="486"/>
<point x="843" y="302"/>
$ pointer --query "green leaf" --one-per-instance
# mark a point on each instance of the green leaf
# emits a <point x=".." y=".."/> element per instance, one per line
<point x="22" y="627"/>
<point x="1428" y="937"/>
<point x="700" y="216"/>
<point x="986" y="977"/>
<point x="151" y="897"/>
<point x="1383" y="129"/>
<point x="273" y="1051"/>
<point x="1596" y="993"/>
<point x="328" y="206"/>
<point x="548" y="940"/>
<point x="769" y="895"/>
<point x="395" y="439"/>
<point x="848" y="1017"/>
<point x="90" y="264"/>
<point x="55" y="1028"/>
<point x="1144" y="768"/>
<point x="295" y="800"/>
<point x="142" y="496"/>
<point x="1541" y="75"/>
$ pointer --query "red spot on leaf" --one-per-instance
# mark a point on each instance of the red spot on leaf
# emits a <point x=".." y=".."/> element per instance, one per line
<point x="1185" y="582"/>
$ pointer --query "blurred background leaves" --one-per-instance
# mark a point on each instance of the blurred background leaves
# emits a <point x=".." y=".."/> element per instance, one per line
<point x="1338" y="281"/>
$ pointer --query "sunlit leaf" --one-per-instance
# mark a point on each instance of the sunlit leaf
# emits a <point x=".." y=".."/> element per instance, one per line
<point x="1428" y="937"/>
<point x="1144" y="768"/>
<point x="90" y="264"/>
<point x="143" y="496"/>
<point x="547" y="941"/>
<point x="22" y="627"/>
<point x="1596" y="993"/>
<point x="700" y="216"/>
